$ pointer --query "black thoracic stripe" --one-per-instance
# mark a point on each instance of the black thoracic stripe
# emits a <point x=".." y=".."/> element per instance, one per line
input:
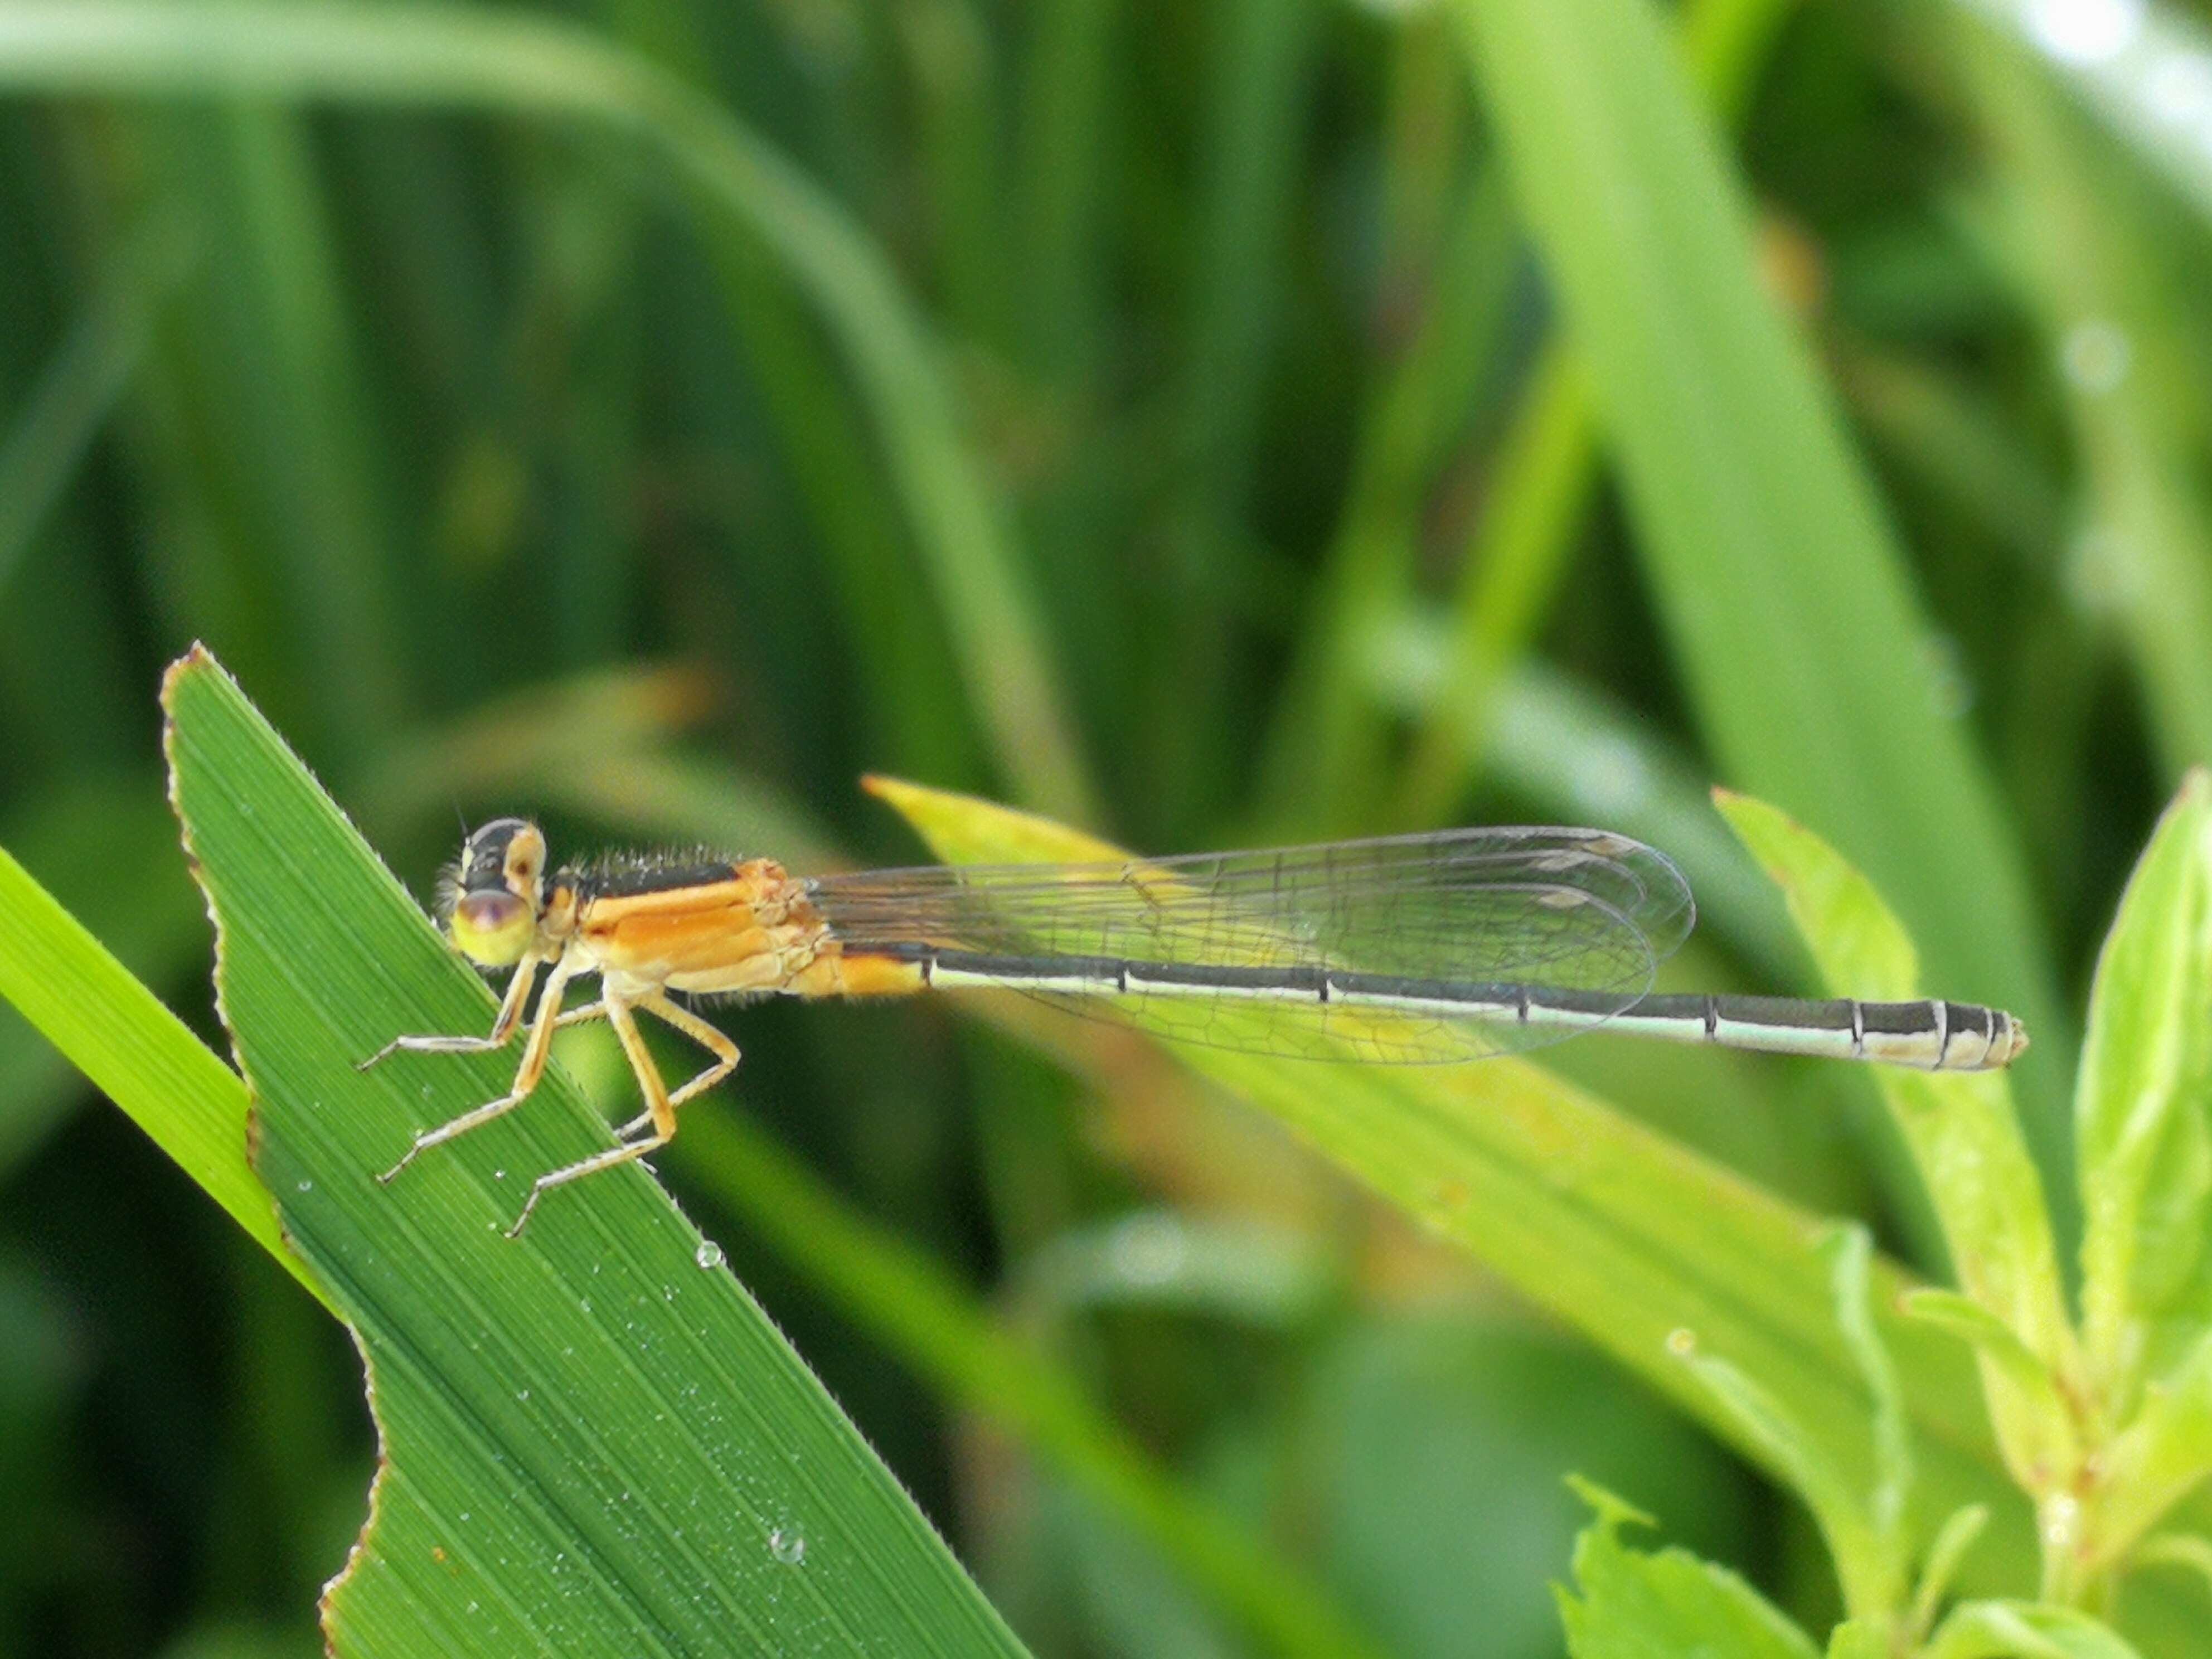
<point x="634" y="881"/>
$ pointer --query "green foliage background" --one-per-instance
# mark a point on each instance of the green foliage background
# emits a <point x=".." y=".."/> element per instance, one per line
<point x="1209" y="423"/>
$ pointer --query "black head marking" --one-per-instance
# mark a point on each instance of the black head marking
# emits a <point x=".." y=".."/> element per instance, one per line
<point x="483" y="855"/>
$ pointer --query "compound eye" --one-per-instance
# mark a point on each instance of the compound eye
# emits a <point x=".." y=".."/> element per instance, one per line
<point x="488" y="913"/>
<point x="491" y="927"/>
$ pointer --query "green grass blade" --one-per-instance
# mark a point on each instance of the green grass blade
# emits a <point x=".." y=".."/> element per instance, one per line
<point x="455" y="58"/>
<point x="290" y="370"/>
<point x="1067" y="89"/>
<point x="104" y="850"/>
<point x="593" y="1440"/>
<point x="1261" y="58"/>
<point x="45" y="441"/>
<point x="1786" y="602"/>
<point x="116" y="1032"/>
<point x="1327" y="747"/>
<point x="1546" y="469"/>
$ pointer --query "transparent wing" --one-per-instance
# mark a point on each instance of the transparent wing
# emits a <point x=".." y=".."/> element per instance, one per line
<point x="1578" y="909"/>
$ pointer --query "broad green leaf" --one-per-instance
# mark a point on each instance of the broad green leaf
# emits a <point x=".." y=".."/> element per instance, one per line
<point x="1859" y="1638"/>
<point x="2025" y="1629"/>
<point x="1630" y="1605"/>
<point x="1786" y="600"/>
<point x="464" y="57"/>
<point x="1961" y="1129"/>
<point x="594" y="1441"/>
<point x="2143" y="1106"/>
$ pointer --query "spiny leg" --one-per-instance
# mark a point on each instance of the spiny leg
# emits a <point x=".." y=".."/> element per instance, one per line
<point x="526" y="1075"/>
<point x="660" y="1110"/>
<point x="503" y="1029"/>
<point x="708" y="1037"/>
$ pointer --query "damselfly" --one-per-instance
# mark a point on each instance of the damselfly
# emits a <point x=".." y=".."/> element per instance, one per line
<point x="1429" y="948"/>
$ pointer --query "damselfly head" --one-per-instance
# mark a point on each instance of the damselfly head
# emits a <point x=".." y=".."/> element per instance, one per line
<point x="488" y="898"/>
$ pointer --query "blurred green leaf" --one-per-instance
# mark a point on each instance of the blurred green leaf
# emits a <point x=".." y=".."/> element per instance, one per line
<point x="1869" y="1562"/>
<point x="1863" y="1521"/>
<point x="2114" y="304"/>
<point x="592" y="1438"/>
<point x="1952" y="1541"/>
<point x="1547" y="470"/>
<point x="2025" y="1629"/>
<point x="1789" y="608"/>
<point x="285" y="359"/>
<point x="2191" y="1551"/>
<point x="1998" y="1344"/>
<point x="2143" y="1111"/>
<point x="1432" y="1449"/>
<point x="2158" y="1459"/>
<point x="1630" y="1605"/>
<point x="1960" y="1125"/>
<point x="2141" y="66"/>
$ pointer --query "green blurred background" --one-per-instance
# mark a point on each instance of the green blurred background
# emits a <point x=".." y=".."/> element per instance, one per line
<point x="1153" y="413"/>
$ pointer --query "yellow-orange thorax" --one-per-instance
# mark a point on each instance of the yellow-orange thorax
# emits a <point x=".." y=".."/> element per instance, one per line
<point x="753" y="929"/>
